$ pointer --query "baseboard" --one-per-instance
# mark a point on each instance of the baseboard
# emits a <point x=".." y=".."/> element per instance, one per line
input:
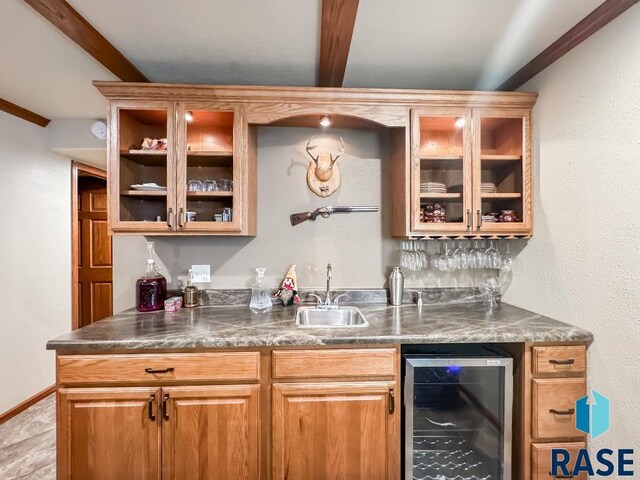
<point x="26" y="404"/>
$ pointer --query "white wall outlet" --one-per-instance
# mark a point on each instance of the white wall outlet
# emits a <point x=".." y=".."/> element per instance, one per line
<point x="201" y="273"/>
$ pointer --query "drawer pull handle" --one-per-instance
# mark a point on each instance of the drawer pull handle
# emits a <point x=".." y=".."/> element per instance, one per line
<point x="570" y="411"/>
<point x="568" y="361"/>
<point x="560" y="476"/>
<point x="150" y="402"/>
<point x="154" y="371"/>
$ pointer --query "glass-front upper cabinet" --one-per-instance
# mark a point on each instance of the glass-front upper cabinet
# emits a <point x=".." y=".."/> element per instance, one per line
<point x="441" y="189"/>
<point x="209" y="169"/>
<point x="141" y="181"/>
<point x="502" y="170"/>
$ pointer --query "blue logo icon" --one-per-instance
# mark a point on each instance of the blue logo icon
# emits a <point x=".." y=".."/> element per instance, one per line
<point x="592" y="414"/>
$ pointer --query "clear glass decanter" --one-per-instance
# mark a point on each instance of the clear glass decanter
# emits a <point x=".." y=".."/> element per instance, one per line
<point x="260" y="293"/>
<point x="151" y="288"/>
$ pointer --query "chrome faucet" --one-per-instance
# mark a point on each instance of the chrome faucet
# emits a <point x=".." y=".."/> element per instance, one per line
<point x="328" y="303"/>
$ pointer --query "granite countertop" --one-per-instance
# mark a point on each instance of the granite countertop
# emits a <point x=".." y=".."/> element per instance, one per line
<point x="238" y="326"/>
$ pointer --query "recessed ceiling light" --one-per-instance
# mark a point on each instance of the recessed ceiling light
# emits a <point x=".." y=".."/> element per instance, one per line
<point x="460" y="122"/>
<point x="325" y="121"/>
<point x="188" y="116"/>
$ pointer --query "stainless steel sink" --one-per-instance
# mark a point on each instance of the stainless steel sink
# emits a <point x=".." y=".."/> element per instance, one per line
<point x="341" y="317"/>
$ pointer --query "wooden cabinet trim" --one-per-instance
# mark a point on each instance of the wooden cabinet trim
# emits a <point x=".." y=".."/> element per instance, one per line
<point x="131" y="369"/>
<point x="334" y="363"/>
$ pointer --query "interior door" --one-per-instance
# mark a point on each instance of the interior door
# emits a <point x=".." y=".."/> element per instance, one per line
<point x="334" y="431"/>
<point x="95" y="252"/>
<point x="441" y="186"/>
<point x="108" y="434"/>
<point x="211" y="433"/>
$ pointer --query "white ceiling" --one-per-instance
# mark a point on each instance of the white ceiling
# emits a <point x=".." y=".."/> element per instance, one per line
<point x="272" y="42"/>
<point x="42" y="70"/>
<point x="455" y="44"/>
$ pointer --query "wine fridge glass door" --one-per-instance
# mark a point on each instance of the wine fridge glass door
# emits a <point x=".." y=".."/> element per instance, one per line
<point x="458" y="418"/>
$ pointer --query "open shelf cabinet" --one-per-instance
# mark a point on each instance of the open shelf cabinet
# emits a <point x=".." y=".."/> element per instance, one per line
<point x="201" y="142"/>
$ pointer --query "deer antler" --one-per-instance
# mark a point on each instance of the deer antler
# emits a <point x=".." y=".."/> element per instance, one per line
<point x="339" y="154"/>
<point x="308" y="148"/>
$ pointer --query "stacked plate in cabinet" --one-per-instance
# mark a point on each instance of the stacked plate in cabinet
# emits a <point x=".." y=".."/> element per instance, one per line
<point x="433" y="187"/>
<point x="488" y="187"/>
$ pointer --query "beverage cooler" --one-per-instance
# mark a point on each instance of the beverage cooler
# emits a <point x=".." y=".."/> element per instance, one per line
<point x="457" y="415"/>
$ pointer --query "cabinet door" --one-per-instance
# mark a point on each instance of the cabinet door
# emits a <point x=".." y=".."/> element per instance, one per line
<point x="212" y="169"/>
<point x="134" y="161"/>
<point x="441" y="171"/>
<point x="503" y="184"/>
<point x="211" y="433"/>
<point x="108" y="434"/>
<point x="334" y="431"/>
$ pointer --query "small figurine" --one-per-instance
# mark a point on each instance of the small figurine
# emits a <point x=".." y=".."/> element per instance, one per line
<point x="156" y="144"/>
<point x="288" y="292"/>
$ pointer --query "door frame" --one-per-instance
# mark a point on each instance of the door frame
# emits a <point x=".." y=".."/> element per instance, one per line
<point x="76" y="168"/>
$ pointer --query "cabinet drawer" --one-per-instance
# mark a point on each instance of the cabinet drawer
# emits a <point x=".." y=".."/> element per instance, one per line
<point x="560" y="361"/>
<point x="334" y="363"/>
<point x="541" y="460"/>
<point x="154" y="368"/>
<point x="554" y="403"/>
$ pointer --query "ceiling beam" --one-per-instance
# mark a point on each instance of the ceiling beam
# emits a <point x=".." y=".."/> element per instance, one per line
<point x="23" y="113"/>
<point x="601" y="16"/>
<point x="73" y="25"/>
<point x="338" y="20"/>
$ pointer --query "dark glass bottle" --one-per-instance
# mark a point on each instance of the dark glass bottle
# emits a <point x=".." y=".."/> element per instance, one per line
<point x="151" y="288"/>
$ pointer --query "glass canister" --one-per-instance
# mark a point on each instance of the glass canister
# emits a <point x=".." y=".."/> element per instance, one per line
<point x="151" y="287"/>
<point x="260" y="293"/>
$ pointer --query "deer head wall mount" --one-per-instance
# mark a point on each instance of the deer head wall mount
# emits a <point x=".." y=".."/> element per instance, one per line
<point x="323" y="175"/>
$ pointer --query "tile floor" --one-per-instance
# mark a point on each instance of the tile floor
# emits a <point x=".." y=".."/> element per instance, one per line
<point x="28" y="443"/>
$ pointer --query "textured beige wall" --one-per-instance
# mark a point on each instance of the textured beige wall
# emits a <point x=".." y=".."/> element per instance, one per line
<point x="358" y="246"/>
<point x="583" y="264"/>
<point x="35" y="246"/>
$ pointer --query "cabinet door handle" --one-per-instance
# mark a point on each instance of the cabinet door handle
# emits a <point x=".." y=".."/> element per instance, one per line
<point x="181" y="218"/>
<point x="150" y="402"/>
<point x="568" y="361"/>
<point x="479" y="219"/>
<point x="468" y="219"/>
<point x="165" y="409"/>
<point x="570" y="411"/>
<point x="169" y="215"/>
<point x="153" y="371"/>
<point x="392" y="401"/>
